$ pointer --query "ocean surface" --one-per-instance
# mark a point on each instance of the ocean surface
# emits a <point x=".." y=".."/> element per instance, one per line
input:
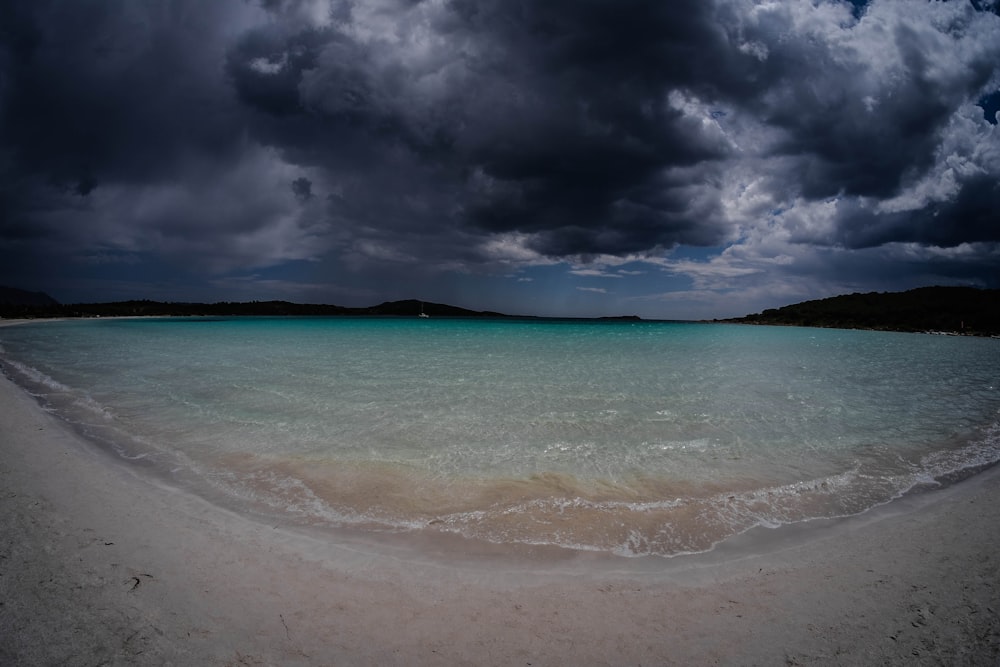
<point x="633" y="438"/>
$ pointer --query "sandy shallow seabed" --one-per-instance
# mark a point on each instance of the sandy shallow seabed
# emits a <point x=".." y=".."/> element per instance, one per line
<point x="100" y="566"/>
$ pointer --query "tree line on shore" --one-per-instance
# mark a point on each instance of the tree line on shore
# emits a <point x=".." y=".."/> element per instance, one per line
<point x="30" y="305"/>
<point x="955" y="310"/>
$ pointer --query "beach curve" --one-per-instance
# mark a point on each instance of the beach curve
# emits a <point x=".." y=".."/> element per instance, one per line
<point x="101" y="565"/>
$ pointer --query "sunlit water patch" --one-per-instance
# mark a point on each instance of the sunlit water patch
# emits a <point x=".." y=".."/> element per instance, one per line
<point x="637" y="438"/>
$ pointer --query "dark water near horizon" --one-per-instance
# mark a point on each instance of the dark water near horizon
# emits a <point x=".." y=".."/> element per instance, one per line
<point x="635" y="438"/>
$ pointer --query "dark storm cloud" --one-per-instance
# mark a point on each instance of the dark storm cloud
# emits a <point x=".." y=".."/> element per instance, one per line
<point x="852" y="130"/>
<point x="969" y="217"/>
<point x="247" y="134"/>
<point x="589" y="149"/>
<point x="568" y="121"/>
<point x="266" y="67"/>
<point x="549" y="119"/>
<point x="118" y="129"/>
<point x="302" y="187"/>
<point x="104" y="90"/>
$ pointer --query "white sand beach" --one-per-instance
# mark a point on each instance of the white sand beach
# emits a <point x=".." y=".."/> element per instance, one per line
<point x="100" y="565"/>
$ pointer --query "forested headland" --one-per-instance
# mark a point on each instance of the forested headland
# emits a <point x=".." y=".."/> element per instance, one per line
<point x="16" y="303"/>
<point x="955" y="310"/>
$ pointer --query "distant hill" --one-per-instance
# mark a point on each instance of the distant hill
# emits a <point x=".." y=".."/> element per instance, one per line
<point x="139" y="308"/>
<point x="414" y="307"/>
<point x="964" y="310"/>
<point x="11" y="296"/>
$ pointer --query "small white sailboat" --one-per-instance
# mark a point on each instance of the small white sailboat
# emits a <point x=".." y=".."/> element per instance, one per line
<point x="422" y="313"/>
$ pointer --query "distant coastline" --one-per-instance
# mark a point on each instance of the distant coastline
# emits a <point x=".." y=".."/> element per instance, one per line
<point x="147" y="308"/>
<point x="20" y="304"/>
<point x="945" y="310"/>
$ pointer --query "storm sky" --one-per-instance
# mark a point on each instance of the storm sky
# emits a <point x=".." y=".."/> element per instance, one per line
<point x="681" y="159"/>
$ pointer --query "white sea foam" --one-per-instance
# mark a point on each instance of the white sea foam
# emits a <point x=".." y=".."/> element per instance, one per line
<point x="37" y="377"/>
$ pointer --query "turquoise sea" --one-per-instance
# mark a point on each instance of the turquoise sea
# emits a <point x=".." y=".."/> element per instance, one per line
<point x="634" y="438"/>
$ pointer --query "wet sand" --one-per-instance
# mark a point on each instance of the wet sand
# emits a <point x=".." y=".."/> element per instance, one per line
<point x="102" y="565"/>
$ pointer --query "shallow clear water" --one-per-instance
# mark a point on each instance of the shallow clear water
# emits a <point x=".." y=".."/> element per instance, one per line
<point x="630" y="437"/>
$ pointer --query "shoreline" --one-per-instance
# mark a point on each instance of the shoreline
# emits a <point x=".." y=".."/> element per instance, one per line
<point x="739" y="321"/>
<point x="101" y="565"/>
